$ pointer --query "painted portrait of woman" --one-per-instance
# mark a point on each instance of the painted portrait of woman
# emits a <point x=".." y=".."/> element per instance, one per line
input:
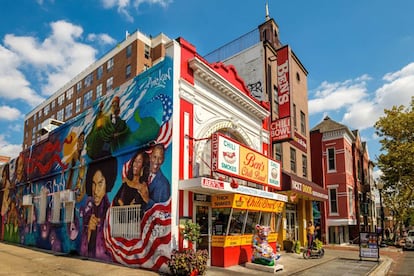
<point x="100" y="178"/>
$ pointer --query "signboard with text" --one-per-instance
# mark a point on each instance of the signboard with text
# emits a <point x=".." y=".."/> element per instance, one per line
<point x="233" y="159"/>
<point x="283" y="82"/>
<point x="281" y="130"/>
<point x="368" y="246"/>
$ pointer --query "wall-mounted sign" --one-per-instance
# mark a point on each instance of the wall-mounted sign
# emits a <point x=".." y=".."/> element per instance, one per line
<point x="283" y="82"/>
<point x="240" y="201"/>
<point x="281" y="130"/>
<point x="233" y="159"/>
<point x="299" y="142"/>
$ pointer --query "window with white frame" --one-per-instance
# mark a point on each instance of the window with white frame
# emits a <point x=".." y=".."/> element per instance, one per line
<point x="69" y="93"/>
<point x="351" y="200"/>
<point x="78" y="86"/>
<point x="87" y="99"/>
<point x="78" y="105"/>
<point x="129" y="50"/>
<point x="109" y="83"/>
<point x="333" y="200"/>
<point x="60" y="114"/>
<point x="88" y="80"/>
<point x="128" y="71"/>
<point x="61" y="98"/>
<point x="68" y="111"/>
<point x="331" y="160"/>
<point x="110" y="65"/>
<point x="292" y="159"/>
<point x="147" y="51"/>
<point x="99" y="72"/>
<point x="99" y="90"/>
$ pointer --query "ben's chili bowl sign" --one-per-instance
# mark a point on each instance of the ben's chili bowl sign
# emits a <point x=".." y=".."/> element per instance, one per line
<point x="231" y="158"/>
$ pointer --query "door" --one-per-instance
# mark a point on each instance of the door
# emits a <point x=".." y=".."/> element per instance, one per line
<point x="203" y="218"/>
<point x="292" y="226"/>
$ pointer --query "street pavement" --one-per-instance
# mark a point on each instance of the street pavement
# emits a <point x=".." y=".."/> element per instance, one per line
<point x="338" y="260"/>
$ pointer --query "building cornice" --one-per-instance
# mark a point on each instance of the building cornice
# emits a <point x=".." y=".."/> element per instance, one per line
<point x="210" y="76"/>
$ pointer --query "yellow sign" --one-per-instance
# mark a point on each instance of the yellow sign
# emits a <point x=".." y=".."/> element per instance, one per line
<point x="253" y="166"/>
<point x="238" y="240"/>
<point x="247" y="202"/>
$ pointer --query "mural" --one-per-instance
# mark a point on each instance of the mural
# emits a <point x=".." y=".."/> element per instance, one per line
<point x="100" y="185"/>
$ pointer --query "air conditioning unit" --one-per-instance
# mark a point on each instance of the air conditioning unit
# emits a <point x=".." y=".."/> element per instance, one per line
<point x="27" y="200"/>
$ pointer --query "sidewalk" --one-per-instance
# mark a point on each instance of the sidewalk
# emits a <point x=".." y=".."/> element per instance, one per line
<point x="30" y="261"/>
<point x="295" y="263"/>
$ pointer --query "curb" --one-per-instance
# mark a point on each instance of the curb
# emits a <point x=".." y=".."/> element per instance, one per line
<point x="383" y="268"/>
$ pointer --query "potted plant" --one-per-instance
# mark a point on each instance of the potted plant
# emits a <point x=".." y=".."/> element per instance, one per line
<point x="188" y="261"/>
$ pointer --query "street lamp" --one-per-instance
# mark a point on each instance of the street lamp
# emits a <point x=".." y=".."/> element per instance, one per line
<point x="380" y="187"/>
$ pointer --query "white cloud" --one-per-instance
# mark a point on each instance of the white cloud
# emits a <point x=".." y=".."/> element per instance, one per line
<point x="334" y="96"/>
<point x="13" y="83"/>
<point x="7" y="149"/>
<point x="124" y="6"/>
<point x="57" y="59"/>
<point x="9" y="113"/>
<point x="362" y="108"/>
<point x="102" y="39"/>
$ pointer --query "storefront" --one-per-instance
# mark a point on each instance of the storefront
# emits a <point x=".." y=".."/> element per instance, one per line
<point x="305" y="203"/>
<point x="228" y="215"/>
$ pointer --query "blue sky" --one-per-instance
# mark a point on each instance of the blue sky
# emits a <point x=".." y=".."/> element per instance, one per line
<point x="359" y="54"/>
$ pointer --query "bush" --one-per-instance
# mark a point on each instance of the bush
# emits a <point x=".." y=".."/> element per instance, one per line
<point x="185" y="262"/>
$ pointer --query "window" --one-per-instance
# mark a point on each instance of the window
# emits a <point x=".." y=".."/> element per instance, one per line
<point x="295" y="123"/>
<point x="52" y="105"/>
<point x="297" y="76"/>
<point x="302" y="123"/>
<point x="109" y="83"/>
<point x="99" y="91"/>
<point x="78" y="104"/>
<point x="99" y="73"/>
<point x="128" y="71"/>
<point x="68" y="111"/>
<point x="351" y="201"/>
<point x="147" y="51"/>
<point x="78" y="87"/>
<point x="60" y="115"/>
<point x="88" y="80"/>
<point x="110" y="65"/>
<point x="61" y="98"/>
<point x="87" y="99"/>
<point x="129" y="50"/>
<point x="333" y="201"/>
<point x="34" y="117"/>
<point x="304" y="165"/>
<point x="331" y="159"/>
<point x="292" y="159"/>
<point x="69" y="93"/>
<point x="279" y="152"/>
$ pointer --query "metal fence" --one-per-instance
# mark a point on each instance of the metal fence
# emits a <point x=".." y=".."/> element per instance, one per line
<point x="126" y="221"/>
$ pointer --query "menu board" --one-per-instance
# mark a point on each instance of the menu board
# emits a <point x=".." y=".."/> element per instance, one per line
<point x="368" y="245"/>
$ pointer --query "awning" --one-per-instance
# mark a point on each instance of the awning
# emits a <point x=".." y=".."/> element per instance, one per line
<point x="211" y="186"/>
<point x="295" y="185"/>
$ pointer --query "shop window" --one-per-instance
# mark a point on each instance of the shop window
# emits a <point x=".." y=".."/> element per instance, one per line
<point x="237" y="222"/>
<point x="220" y="221"/>
<point x="253" y="218"/>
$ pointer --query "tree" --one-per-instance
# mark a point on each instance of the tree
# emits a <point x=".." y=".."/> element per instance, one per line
<point x="396" y="132"/>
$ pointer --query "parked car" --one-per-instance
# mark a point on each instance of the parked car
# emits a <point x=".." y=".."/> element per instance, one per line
<point x="409" y="240"/>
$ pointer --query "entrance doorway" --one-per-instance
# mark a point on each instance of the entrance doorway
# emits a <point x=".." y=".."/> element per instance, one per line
<point x="203" y="218"/>
<point x="292" y="227"/>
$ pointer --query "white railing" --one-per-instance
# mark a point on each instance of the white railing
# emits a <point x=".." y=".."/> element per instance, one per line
<point x="126" y="221"/>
